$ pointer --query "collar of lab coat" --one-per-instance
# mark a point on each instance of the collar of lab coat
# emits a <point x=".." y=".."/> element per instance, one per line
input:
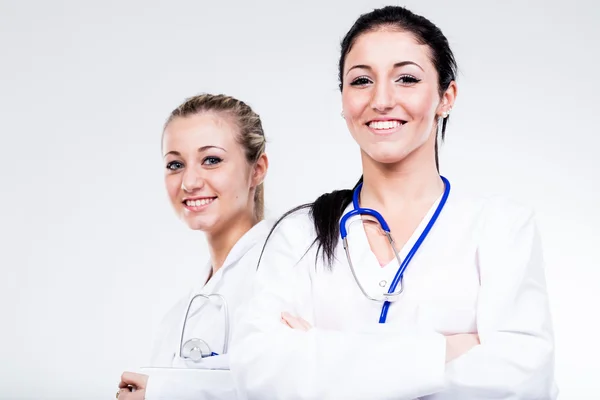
<point x="254" y="236"/>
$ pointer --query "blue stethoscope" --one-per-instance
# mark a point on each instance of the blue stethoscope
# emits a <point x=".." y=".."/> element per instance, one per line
<point x="391" y="295"/>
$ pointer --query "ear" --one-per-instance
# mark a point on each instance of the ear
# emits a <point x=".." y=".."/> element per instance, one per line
<point x="260" y="170"/>
<point x="447" y="100"/>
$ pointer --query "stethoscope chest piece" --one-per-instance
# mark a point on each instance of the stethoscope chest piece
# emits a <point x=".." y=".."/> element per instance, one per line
<point x="195" y="349"/>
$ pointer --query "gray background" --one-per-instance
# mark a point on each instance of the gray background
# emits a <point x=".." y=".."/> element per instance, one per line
<point x="91" y="254"/>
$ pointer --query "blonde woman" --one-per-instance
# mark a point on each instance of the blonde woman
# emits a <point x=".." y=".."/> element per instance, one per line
<point x="214" y="155"/>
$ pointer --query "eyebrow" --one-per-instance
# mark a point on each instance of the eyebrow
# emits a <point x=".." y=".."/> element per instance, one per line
<point x="200" y="150"/>
<point x="397" y="65"/>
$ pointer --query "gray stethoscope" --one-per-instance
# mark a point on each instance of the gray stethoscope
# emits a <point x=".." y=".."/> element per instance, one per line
<point x="196" y="349"/>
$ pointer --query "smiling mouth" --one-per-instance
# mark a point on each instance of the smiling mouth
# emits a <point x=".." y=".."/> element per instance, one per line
<point x="386" y="125"/>
<point x="198" y="202"/>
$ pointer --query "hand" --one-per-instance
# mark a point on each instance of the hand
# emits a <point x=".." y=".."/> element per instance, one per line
<point x="137" y="381"/>
<point x="457" y="345"/>
<point x="295" y="322"/>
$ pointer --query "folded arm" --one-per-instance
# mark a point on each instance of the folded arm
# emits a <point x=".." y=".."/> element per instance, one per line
<point x="515" y="360"/>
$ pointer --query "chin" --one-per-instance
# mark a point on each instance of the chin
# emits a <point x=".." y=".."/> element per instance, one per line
<point x="200" y="223"/>
<point x="388" y="156"/>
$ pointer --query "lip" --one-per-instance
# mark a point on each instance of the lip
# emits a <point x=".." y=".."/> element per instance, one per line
<point x="199" y="207"/>
<point x="386" y="119"/>
<point x="385" y="132"/>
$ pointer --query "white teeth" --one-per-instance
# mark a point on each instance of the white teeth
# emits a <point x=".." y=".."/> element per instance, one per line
<point x="198" y="203"/>
<point x="385" y="124"/>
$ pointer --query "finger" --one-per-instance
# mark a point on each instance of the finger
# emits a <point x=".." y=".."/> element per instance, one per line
<point x="286" y="323"/>
<point x="290" y="320"/>
<point x="125" y="385"/>
<point x="127" y="378"/>
<point x="295" y="322"/>
<point x="139" y="395"/>
<point x="303" y="323"/>
<point x="131" y="378"/>
<point x="300" y="323"/>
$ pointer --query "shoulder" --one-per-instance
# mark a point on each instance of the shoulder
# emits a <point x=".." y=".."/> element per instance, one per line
<point x="495" y="210"/>
<point x="493" y="222"/>
<point x="505" y="213"/>
<point x="247" y="248"/>
<point x="297" y="224"/>
<point x="507" y="240"/>
<point x="506" y="234"/>
<point x="290" y="237"/>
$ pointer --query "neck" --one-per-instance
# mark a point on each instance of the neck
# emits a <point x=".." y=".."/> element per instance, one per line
<point x="220" y="243"/>
<point x="388" y="186"/>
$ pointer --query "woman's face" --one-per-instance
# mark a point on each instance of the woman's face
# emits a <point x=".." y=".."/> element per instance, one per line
<point x="208" y="179"/>
<point x="390" y="95"/>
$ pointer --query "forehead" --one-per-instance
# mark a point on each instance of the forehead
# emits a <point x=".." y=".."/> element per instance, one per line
<point x="387" y="47"/>
<point x="204" y="129"/>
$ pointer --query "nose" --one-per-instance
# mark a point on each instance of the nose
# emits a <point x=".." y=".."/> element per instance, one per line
<point x="192" y="180"/>
<point x="383" y="98"/>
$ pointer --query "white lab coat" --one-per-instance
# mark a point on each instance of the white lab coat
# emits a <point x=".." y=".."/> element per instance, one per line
<point x="173" y="378"/>
<point x="479" y="270"/>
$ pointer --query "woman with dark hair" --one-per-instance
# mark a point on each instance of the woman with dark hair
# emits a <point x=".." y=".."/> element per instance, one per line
<point x="400" y="288"/>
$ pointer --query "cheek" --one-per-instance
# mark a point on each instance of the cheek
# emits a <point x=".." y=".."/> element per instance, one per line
<point x="354" y="103"/>
<point x="231" y="185"/>
<point x="219" y="183"/>
<point x="421" y="106"/>
<point x="173" y="184"/>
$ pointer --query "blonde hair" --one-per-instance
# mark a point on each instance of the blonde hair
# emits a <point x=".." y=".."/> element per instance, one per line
<point x="251" y="137"/>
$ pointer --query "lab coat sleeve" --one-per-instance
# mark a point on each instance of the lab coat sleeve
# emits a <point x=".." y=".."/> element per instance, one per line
<point x="272" y="361"/>
<point x="515" y="360"/>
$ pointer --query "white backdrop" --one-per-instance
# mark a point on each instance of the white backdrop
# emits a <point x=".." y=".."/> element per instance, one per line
<point x="91" y="254"/>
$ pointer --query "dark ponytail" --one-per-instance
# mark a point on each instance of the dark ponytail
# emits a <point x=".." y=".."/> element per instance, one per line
<point x="326" y="213"/>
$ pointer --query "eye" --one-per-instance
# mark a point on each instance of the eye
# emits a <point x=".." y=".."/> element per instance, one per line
<point x="408" y="80"/>
<point x="210" y="161"/>
<point x="360" y="81"/>
<point x="174" y="165"/>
